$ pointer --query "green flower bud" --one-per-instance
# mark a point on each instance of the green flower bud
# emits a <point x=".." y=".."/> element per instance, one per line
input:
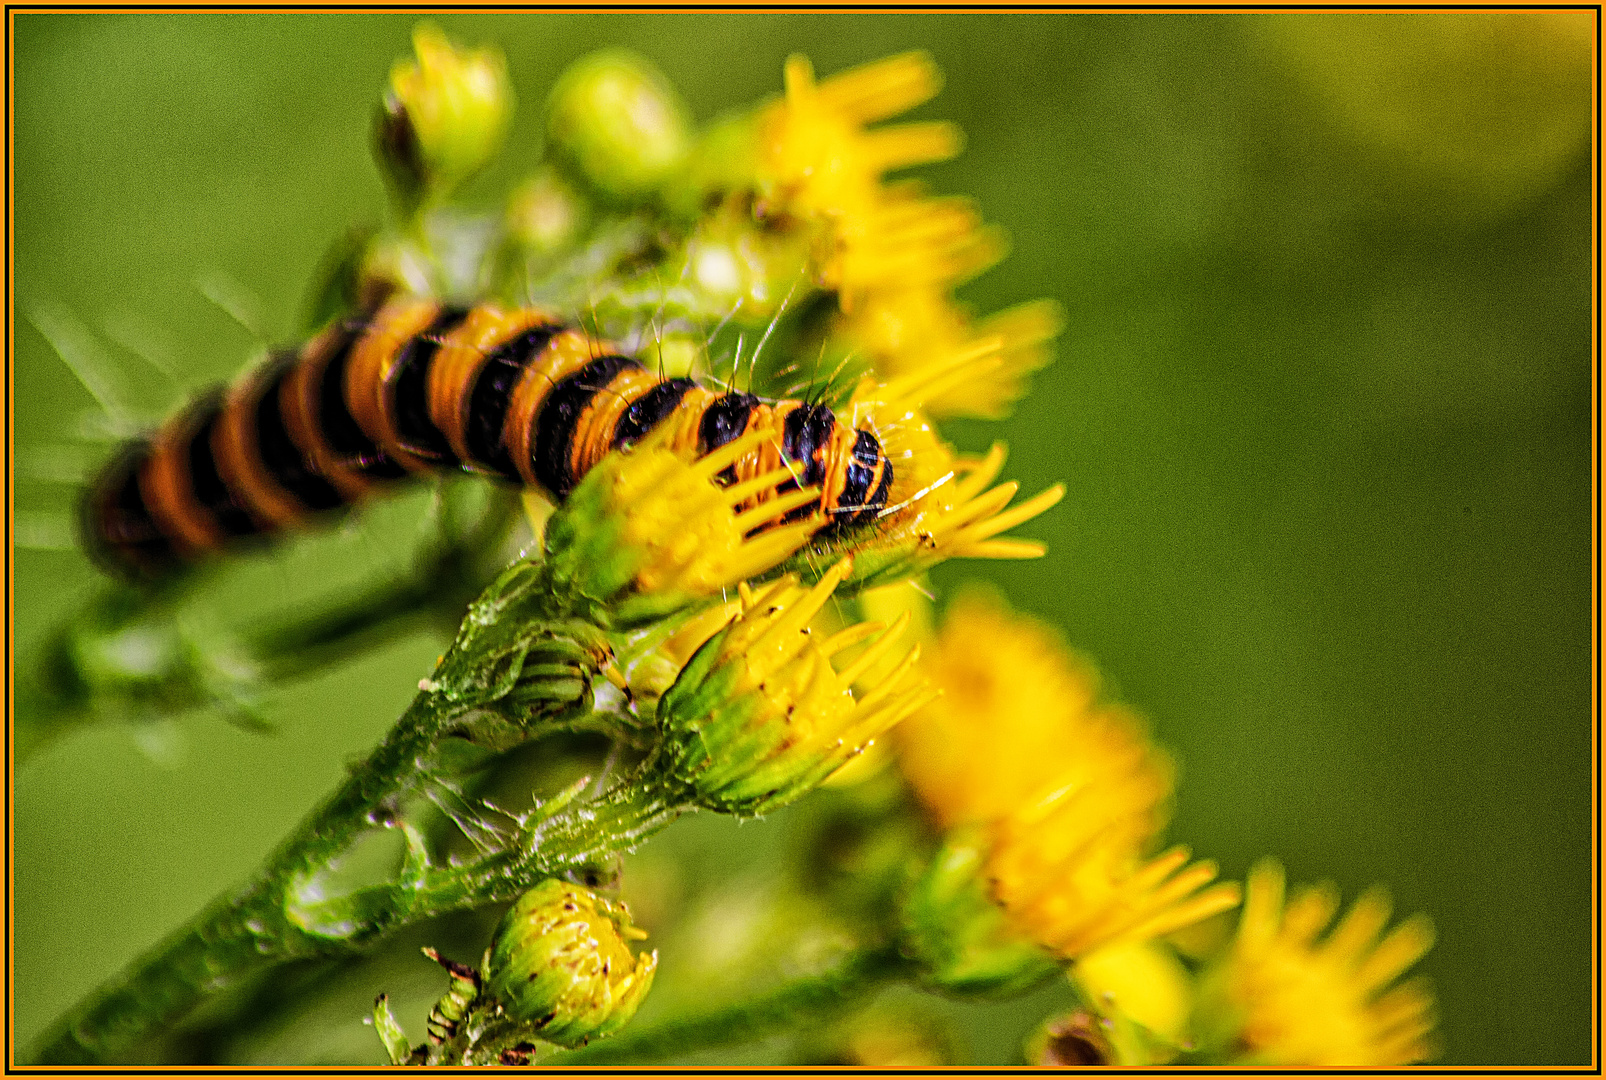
<point x="959" y="935"/>
<point x="443" y="118"/>
<point x="543" y="215"/>
<point x="615" y="120"/>
<point x="759" y="716"/>
<point x="560" y="963"/>
<point x="1077" y="1038"/>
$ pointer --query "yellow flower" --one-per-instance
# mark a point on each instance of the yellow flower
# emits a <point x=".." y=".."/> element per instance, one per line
<point x="650" y="521"/>
<point x="560" y="961"/>
<point x="759" y="716"/>
<point x="1301" y="1002"/>
<point x="929" y="355"/>
<point x="903" y="240"/>
<point x="815" y="157"/>
<point x="1069" y="872"/>
<point x="1074" y="789"/>
<point x="1015" y="703"/>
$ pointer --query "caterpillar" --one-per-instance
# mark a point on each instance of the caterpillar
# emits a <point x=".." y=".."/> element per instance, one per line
<point x="421" y="387"/>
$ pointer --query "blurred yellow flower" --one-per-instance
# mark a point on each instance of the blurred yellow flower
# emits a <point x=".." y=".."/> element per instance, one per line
<point x="816" y="158"/>
<point x="892" y="253"/>
<point x="445" y="115"/>
<point x="926" y="349"/>
<point x="1297" y="1001"/>
<point x="1014" y="702"/>
<point x="1075" y="790"/>
<point x="902" y="239"/>
<point x="1069" y="869"/>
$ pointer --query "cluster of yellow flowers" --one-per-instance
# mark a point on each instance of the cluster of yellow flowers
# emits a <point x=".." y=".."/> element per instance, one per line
<point x="1072" y="788"/>
<point x="894" y="253"/>
<point x="1073" y="796"/>
<point x="1059" y="797"/>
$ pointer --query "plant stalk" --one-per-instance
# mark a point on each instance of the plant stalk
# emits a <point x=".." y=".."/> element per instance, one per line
<point x="853" y="979"/>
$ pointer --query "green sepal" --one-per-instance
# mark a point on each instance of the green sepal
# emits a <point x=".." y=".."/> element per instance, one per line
<point x="390" y="1032"/>
<point x="337" y="283"/>
<point x="959" y="936"/>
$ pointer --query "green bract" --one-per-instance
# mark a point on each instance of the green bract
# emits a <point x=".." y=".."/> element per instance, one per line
<point x="958" y="935"/>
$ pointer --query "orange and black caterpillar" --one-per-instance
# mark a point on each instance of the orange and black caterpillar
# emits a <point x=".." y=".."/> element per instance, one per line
<point x="422" y="387"/>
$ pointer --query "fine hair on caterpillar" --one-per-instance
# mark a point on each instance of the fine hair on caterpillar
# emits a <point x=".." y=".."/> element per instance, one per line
<point x="421" y="387"/>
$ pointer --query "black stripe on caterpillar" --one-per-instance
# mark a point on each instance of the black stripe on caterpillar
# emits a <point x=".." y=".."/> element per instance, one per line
<point x="422" y="387"/>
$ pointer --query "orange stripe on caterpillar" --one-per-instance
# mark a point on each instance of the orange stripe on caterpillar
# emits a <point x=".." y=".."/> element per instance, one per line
<point x="421" y="387"/>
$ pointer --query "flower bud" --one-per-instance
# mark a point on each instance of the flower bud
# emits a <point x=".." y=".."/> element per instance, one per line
<point x="543" y="215"/>
<point x="1077" y="1038"/>
<point x="560" y="963"/>
<point x="962" y="939"/>
<point x="648" y="531"/>
<point x="759" y="716"/>
<point x="443" y="118"/>
<point x="615" y="120"/>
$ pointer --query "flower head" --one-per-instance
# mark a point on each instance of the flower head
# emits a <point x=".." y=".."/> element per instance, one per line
<point x="940" y="505"/>
<point x="925" y="347"/>
<point x="444" y="116"/>
<point x="815" y="157"/>
<point x="759" y="716"/>
<point x="1072" y="790"/>
<point x="903" y="240"/>
<point x="1017" y="710"/>
<point x="560" y="962"/>
<point x="648" y="521"/>
<point x="1068" y="871"/>
<point x="1281" y="997"/>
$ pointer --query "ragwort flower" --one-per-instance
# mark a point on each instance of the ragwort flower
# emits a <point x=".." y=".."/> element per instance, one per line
<point x="815" y="157"/>
<point x="1068" y="863"/>
<point x="1282" y="997"/>
<point x="649" y="521"/>
<point x="760" y="716"/>
<point x="562" y="963"/>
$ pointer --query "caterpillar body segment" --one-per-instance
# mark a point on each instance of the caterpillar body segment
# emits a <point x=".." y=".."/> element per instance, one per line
<point x="422" y="387"/>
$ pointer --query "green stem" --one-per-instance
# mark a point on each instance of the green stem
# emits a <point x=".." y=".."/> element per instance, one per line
<point x="250" y="929"/>
<point x="445" y="577"/>
<point x="786" y="1006"/>
<point x="293" y="911"/>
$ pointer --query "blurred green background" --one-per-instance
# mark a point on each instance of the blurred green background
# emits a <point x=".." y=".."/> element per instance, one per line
<point x="1322" y="407"/>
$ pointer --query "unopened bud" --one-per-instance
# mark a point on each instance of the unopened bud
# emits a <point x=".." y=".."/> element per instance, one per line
<point x="759" y="716"/>
<point x="543" y="214"/>
<point x="616" y="121"/>
<point x="443" y="117"/>
<point x="1078" y="1038"/>
<point x="561" y="963"/>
